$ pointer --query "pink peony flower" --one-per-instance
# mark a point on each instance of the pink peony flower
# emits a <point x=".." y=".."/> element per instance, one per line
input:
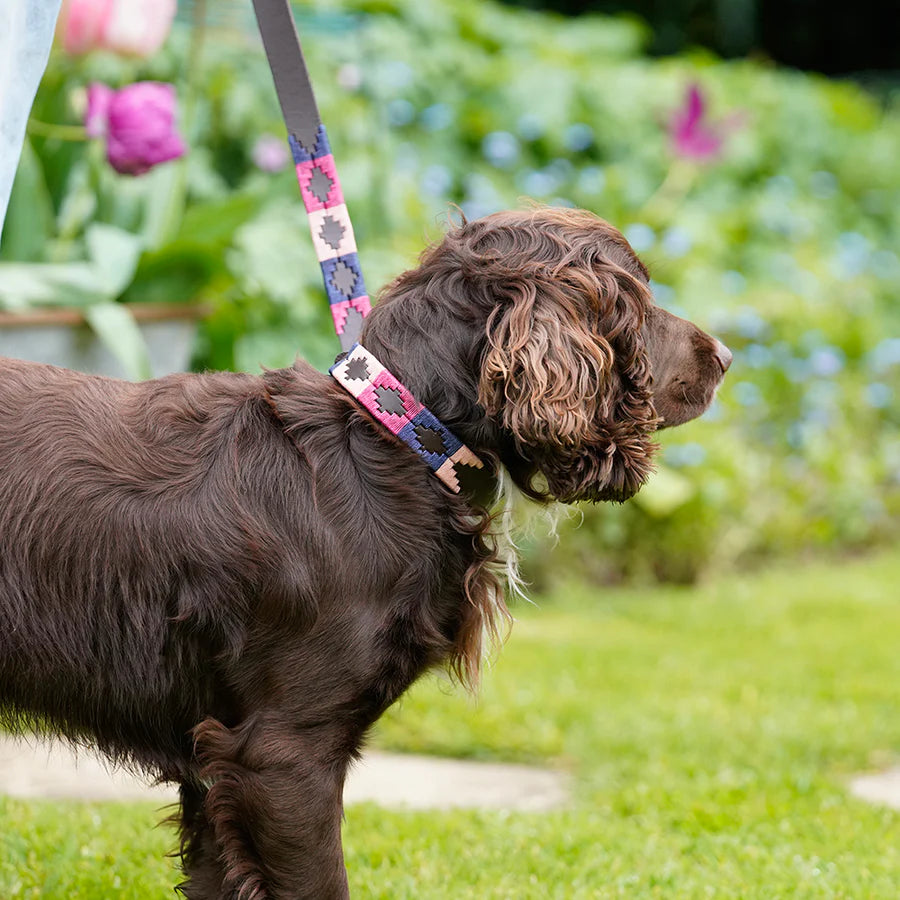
<point x="131" y="27"/>
<point x="691" y="133"/>
<point x="138" y="122"/>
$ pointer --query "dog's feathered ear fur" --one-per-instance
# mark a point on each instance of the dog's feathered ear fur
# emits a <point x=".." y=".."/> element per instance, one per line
<point x="565" y="373"/>
<point x="545" y="376"/>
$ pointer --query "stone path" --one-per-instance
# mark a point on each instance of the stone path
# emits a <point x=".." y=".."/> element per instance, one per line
<point x="35" y="768"/>
<point x="881" y="787"/>
<point x="52" y="769"/>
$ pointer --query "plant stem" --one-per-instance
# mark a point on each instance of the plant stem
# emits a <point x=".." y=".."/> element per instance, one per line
<point x="167" y="226"/>
<point x="57" y="132"/>
<point x="663" y="203"/>
<point x="195" y="55"/>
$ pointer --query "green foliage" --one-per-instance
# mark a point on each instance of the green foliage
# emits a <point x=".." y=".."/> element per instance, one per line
<point x="784" y="246"/>
<point x="709" y="732"/>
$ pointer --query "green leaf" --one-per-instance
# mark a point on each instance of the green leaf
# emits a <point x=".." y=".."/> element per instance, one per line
<point x="163" y="205"/>
<point x="79" y="202"/>
<point x="272" y="255"/>
<point x="216" y="222"/>
<point x="26" y="284"/>
<point x="115" y="326"/>
<point x="177" y="273"/>
<point x="29" y="219"/>
<point x="115" y="254"/>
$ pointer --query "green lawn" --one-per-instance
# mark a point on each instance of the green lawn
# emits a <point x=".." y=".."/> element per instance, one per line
<point x="710" y="732"/>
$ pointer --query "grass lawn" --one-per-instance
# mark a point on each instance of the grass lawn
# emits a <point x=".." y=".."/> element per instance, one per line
<point x="710" y="732"/>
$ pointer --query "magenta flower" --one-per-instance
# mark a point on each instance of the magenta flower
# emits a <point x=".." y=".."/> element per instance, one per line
<point x="138" y="122"/>
<point x="692" y="135"/>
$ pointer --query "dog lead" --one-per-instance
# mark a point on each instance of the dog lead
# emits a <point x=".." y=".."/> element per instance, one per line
<point x="356" y="370"/>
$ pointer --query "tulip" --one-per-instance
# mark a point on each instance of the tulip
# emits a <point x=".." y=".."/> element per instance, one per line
<point x="691" y="133"/>
<point x="138" y="122"/>
<point x="130" y="27"/>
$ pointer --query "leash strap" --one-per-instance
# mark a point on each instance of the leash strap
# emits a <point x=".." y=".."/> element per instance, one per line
<point x="329" y="222"/>
<point x="394" y="406"/>
<point x="357" y="371"/>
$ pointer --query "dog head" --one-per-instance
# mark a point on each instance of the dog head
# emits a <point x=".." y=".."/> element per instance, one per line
<point x="574" y="366"/>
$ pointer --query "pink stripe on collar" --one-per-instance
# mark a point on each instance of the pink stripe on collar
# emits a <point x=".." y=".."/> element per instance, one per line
<point x="361" y="375"/>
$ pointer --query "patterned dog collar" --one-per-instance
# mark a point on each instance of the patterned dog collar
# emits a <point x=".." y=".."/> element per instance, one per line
<point x="395" y="407"/>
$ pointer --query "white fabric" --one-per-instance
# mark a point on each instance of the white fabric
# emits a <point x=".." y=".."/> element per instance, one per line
<point x="26" y="34"/>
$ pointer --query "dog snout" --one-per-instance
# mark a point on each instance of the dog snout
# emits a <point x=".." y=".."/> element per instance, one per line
<point x="723" y="356"/>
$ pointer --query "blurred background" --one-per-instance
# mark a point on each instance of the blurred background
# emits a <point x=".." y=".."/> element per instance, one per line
<point x="764" y="199"/>
<point x="709" y="664"/>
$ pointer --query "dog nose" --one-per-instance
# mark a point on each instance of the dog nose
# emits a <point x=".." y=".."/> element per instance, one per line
<point x="723" y="356"/>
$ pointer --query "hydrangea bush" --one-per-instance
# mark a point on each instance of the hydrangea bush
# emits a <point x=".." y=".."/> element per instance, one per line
<point x="766" y="203"/>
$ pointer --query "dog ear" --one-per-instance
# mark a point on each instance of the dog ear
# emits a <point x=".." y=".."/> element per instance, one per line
<point x="545" y="376"/>
<point x="565" y="373"/>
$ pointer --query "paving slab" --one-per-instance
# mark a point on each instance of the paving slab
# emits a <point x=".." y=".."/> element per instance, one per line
<point x="878" y="787"/>
<point x="34" y="768"/>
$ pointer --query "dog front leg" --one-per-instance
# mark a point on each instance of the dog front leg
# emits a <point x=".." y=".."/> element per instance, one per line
<point x="199" y="850"/>
<point x="274" y="805"/>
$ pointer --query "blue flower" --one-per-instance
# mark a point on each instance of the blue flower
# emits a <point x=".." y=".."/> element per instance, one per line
<point x="797" y="435"/>
<point x="592" y="180"/>
<point x="783" y="267"/>
<point x="879" y="395"/>
<point x="481" y="197"/>
<point x="395" y="74"/>
<point x="664" y="294"/>
<point x="747" y="393"/>
<point x="400" y="112"/>
<point x="757" y="356"/>
<point x="796" y="369"/>
<point x="823" y="184"/>
<point x="826" y="361"/>
<point x="733" y="282"/>
<point x="437" y="180"/>
<point x="885" y="264"/>
<point x="561" y="167"/>
<point x="676" y="242"/>
<point x="641" y="237"/>
<point x="406" y="158"/>
<point x="530" y="127"/>
<point x="713" y="412"/>
<point x="685" y="455"/>
<point x="820" y="395"/>
<point x="538" y="183"/>
<point x="501" y="149"/>
<point x="578" y="137"/>
<point x="884" y="355"/>
<point x="437" y="117"/>
<point x="853" y="252"/>
<point x="781" y="186"/>
<point x="478" y="208"/>
<point x="749" y="324"/>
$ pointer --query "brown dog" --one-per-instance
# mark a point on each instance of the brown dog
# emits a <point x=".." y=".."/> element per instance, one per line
<point x="225" y="579"/>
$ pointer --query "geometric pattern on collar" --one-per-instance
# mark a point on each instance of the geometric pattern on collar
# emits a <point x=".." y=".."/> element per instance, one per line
<point x="332" y="234"/>
<point x="394" y="406"/>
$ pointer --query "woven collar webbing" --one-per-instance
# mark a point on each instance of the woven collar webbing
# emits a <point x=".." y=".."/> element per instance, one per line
<point x="395" y="407"/>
